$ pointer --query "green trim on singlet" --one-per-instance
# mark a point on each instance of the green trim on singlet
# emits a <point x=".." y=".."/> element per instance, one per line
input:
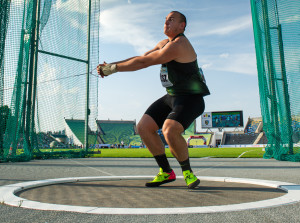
<point x="185" y="77"/>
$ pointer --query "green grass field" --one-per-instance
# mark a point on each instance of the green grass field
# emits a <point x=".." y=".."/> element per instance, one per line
<point x="194" y="153"/>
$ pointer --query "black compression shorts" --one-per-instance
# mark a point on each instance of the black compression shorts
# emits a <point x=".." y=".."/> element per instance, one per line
<point x="183" y="109"/>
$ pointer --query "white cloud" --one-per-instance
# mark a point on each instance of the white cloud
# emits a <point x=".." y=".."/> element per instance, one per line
<point x="206" y="66"/>
<point x="45" y="80"/>
<point x="224" y="55"/>
<point x="48" y="73"/>
<point x="77" y="25"/>
<point x="73" y="90"/>
<point x="231" y="26"/>
<point x="72" y="5"/>
<point x="107" y="3"/>
<point x="129" y="24"/>
<point x="290" y="19"/>
<point x="220" y="27"/>
<point x="243" y="63"/>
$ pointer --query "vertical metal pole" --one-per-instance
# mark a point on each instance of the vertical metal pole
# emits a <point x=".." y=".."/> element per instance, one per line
<point x="19" y="112"/>
<point x="260" y="67"/>
<point x="274" y="108"/>
<point x="32" y="69"/>
<point x="34" y="83"/>
<point x="285" y="91"/>
<point x="87" y="111"/>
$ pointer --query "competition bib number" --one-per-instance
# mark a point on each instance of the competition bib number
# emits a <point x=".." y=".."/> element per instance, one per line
<point x="164" y="78"/>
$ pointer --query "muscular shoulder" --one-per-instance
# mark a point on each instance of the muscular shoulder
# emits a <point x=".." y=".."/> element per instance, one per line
<point x="162" y="43"/>
<point x="181" y="41"/>
<point x="185" y="50"/>
<point x="177" y="45"/>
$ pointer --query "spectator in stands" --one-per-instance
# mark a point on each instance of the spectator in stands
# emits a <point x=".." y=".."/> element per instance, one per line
<point x="182" y="104"/>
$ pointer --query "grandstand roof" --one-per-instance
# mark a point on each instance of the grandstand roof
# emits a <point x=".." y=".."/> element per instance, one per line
<point x="77" y="126"/>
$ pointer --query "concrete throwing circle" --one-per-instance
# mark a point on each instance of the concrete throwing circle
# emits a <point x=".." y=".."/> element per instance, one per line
<point x="8" y="196"/>
<point x="134" y="194"/>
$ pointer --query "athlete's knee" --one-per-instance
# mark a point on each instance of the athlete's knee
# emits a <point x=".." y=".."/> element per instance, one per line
<point x="168" y="133"/>
<point x="171" y="129"/>
<point x="146" y="125"/>
<point x="140" y="128"/>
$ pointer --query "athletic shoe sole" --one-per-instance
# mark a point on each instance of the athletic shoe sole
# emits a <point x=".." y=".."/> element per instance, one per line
<point x="194" y="184"/>
<point x="157" y="184"/>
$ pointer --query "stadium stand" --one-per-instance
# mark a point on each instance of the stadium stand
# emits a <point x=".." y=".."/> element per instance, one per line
<point x="45" y="140"/>
<point x="62" y="138"/>
<point x="252" y="125"/>
<point x="116" y="132"/>
<point x="263" y="139"/>
<point x="237" y="138"/>
<point x="296" y="129"/>
<point x="253" y="134"/>
<point x="120" y="132"/>
<point x="75" y="132"/>
<point x="135" y="141"/>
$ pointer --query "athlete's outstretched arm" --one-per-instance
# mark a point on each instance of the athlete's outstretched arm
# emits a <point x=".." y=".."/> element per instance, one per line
<point x="160" y="54"/>
<point x="122" y="61"/>
<point x="154" y="57"/>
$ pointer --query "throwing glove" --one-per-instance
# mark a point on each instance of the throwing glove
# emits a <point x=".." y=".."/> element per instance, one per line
<point x="108" y="69"/>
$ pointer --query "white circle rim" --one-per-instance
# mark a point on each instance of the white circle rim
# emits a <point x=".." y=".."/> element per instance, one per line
<point x="7" y="194"/>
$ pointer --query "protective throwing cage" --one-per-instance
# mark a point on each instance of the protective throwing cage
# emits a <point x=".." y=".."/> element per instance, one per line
<point x="48" y="49"/>
<point x="48" y="52"/>
<point x="277" y="41"/>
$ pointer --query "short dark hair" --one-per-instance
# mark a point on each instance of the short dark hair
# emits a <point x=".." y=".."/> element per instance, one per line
<point x="182" y="17"/>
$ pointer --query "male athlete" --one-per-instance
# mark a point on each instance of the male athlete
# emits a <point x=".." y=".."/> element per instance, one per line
<point x="183" y="103"/>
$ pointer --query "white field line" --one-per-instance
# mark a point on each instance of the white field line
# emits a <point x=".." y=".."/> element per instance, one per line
<point x="93" y="168"/>
<point x="221" y="164"/>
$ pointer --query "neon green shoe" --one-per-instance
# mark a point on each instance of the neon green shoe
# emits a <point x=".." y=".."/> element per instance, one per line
<point x="162" y="178"/>
<point x="191" y="180"/>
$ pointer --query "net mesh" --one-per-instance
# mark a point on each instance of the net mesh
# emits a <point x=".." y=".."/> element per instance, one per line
<point x="45" y="62"/>
<point x="277" y="40"/>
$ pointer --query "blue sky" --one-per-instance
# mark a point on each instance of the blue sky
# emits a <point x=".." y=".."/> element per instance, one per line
<point x="221" y="33"/>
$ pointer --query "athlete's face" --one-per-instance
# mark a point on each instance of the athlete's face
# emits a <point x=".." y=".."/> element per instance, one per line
<point x="173" y="24"/>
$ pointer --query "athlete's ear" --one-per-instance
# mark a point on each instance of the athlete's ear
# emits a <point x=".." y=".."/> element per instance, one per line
<point x="182" y="25"/>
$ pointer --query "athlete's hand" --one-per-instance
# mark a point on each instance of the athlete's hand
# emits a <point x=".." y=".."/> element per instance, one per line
<point x="106" y="69"/>
<point x="99" y="71"/>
